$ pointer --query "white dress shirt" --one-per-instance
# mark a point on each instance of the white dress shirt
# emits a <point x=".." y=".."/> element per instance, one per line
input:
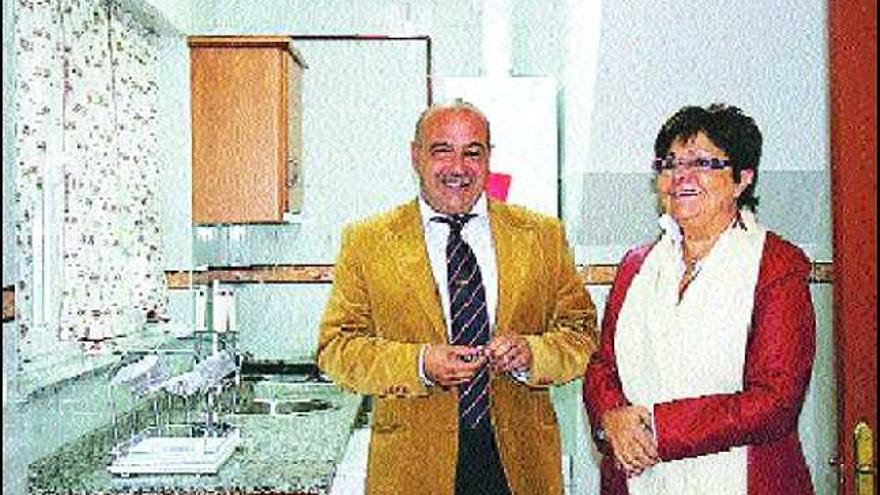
<point x="478" y="235"/>
<point x="477" y="232"/>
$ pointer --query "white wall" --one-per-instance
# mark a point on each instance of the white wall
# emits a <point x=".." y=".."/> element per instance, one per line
<point x="769" y="58"/>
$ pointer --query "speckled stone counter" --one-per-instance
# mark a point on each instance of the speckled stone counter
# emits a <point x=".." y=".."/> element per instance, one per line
<point x="289" y="453"/>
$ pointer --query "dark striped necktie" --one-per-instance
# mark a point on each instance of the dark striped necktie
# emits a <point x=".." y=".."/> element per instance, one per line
<point x="469" y="316"/>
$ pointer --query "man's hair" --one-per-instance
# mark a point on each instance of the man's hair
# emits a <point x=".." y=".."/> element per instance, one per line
<point x="456" y="105"/>
<point x="729" y="129"/>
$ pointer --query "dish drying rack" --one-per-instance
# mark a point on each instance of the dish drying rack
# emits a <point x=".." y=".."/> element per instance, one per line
<point x="185" y="432"/>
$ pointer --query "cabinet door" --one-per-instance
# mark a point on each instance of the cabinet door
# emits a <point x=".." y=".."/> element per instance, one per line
<point x="239" y="153"/>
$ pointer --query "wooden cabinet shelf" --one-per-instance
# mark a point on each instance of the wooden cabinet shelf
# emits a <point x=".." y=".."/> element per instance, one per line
<point x="246" y="128"/>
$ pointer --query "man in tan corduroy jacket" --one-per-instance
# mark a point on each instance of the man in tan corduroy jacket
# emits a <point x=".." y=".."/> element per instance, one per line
<point x="386" y="330"/>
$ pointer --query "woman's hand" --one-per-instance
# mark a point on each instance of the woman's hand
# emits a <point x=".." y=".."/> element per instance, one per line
<point x="628" y="432"/>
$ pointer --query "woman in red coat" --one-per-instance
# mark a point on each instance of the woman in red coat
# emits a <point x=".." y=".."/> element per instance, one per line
<point x="708" y="337"/>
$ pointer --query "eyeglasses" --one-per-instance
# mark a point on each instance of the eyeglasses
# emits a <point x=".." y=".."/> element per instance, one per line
<point x="669" y="163"/>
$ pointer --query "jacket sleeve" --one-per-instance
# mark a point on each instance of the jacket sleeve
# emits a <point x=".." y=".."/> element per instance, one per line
<point x="602" y="390"/>
<point x="561" y="351"/>
<point x="779" y="361"/>
<point x="349" y="350"/>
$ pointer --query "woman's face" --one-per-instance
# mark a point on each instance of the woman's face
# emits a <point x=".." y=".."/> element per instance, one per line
<point x="698" y="196"/>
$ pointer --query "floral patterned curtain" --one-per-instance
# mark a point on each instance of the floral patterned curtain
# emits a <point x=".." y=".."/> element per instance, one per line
<point x="87" y="233"/>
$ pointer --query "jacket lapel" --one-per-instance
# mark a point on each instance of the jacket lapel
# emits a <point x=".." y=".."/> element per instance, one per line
<point x="415" y="268"/>
<point x="514" y="246"/>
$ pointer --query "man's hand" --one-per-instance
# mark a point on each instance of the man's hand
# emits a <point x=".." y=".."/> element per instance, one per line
<point x="509" y="353"/>
<point x="628" y="431"/>
<point x="450" y="365"/>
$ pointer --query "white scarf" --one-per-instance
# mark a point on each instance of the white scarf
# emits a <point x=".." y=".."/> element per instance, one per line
<point x="669" y="350"/>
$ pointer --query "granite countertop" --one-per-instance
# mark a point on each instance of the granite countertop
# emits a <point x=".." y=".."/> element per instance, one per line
<point x="290" y="453"/>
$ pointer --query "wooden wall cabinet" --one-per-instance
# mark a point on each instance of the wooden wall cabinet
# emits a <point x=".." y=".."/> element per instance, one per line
<point x="246" y="128"/>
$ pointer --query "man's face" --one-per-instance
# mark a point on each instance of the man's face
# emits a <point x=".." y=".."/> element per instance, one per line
<point x="452" y="159"/>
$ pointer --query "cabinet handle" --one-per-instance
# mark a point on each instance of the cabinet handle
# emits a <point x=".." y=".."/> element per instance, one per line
<point x="292" y="177"/>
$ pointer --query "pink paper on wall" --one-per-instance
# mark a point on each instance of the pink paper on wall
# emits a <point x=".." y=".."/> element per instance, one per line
<point x="497" y="186"/>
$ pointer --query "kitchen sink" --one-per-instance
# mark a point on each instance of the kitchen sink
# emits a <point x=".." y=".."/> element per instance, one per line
<point x="287" y="406"/>
<point x="286" y="394"/>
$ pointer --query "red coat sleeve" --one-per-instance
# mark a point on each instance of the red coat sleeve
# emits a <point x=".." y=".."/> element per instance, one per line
<point x="602" y="390"/>
<point x="779" y="361"/>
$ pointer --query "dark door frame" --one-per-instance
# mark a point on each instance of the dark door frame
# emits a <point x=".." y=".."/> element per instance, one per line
<point x="853" y="110"/>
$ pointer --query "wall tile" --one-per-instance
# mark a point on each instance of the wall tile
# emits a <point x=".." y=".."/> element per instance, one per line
<point x="618" y="210"/>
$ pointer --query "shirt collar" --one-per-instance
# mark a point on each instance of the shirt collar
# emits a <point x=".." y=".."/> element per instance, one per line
<point x="480" y="209"/>
<point x="670" y="228"/>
